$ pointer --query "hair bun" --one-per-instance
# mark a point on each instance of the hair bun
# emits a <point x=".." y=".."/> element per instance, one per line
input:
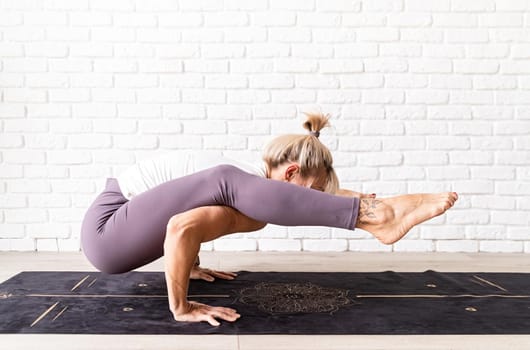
<point x="316" y="122"/>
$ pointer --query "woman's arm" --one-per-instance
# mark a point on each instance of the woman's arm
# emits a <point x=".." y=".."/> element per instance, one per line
<point x="184" y="235"/>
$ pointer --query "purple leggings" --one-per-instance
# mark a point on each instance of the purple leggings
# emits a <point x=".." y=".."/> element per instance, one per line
<point x="119" y="235"/>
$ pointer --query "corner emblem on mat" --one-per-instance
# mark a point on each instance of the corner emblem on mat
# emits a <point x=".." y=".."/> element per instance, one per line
<point x="282" y="298"/>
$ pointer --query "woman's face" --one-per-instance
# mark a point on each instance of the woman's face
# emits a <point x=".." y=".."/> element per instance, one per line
<point x="290" y="172"/>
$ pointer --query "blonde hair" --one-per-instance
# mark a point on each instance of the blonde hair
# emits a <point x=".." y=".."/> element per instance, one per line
<point x="306" y="150"/>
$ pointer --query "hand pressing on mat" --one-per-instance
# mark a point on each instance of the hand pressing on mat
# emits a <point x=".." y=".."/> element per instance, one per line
<point x="200" y="273"/>
<point x="184" y="235"/>
<point x="197" y="312"/>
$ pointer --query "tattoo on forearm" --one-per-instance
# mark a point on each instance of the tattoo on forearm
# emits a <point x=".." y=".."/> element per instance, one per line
<point x="367" y="210"/>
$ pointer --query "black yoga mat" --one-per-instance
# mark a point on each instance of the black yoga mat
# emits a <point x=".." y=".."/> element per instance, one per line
<point x="271" y="303"/>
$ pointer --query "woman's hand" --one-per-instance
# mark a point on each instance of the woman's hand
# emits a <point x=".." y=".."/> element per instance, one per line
<point x="197" y="312"/>
<point x="199" y="273"/>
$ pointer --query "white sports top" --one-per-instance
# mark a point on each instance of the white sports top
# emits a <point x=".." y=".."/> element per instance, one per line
<point x="147" y="174"/>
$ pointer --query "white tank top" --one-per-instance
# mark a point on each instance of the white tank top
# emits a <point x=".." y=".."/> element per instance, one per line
<point x="150" y="173"/>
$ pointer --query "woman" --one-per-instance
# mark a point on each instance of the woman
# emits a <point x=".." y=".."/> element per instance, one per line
<point x="166" y="207"/>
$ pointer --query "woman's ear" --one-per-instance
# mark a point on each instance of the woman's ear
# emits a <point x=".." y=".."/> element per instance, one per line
<point x="291" y="171"/>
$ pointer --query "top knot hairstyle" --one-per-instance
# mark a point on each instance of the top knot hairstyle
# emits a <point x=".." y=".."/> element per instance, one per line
<point x="306" y="150"/>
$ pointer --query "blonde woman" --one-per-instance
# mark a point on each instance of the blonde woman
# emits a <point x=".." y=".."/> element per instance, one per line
<point x="169" y="206"/>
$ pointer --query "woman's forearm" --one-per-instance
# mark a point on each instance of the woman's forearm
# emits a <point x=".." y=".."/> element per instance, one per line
<point x="180" y="252"/>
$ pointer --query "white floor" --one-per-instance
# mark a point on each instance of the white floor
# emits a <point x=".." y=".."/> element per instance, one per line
<point x="12" y="263"/>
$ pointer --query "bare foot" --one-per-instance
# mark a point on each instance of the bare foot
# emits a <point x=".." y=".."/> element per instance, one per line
<point x="390" y="219"/>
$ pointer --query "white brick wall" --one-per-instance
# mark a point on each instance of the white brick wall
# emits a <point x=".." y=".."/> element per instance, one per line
<point x="426" y="95"/>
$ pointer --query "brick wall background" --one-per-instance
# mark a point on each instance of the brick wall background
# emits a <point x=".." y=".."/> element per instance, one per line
<point x="426" y="95"/>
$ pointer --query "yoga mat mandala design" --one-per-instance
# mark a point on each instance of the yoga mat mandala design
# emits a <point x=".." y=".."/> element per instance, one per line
<point x="280" y="298"/>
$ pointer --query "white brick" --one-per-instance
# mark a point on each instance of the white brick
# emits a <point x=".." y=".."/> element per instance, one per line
<point x="271" y="81"/>
<point x="380" y="159"/>
<point x="493" y="113"/>
<point x="501" y="20"/>
<point x="160" y="66"/>
<point x="467" y="36"/>
<point x="417" y="35"/>
<point x="184" y="111"/>
<point x="493" y="202"/>
<point x="473" y="5"/>
<point x="160" y="95"/>
<point x="513" y="188"/>
<point x="132" y="50"/>
<point x="386" y="65"/>
<point x="426" y="158"/>
<point x="382" y="128"/>
<point x="446" y="142"/>
<point x="488" y="232"/>
<point x="246" y="35"/>
<point x="309" y="232"/>
<point x="362" y="81"/>
<point x="338" y="96"/>
<point x="134" y="20"/>
<point x="47" y="245"/>
<point x="23" y="157"/>
<point x="180" y="51"/>
<point x="383" y="97"/>
<point x="513" y="128"/>
<point x="410" y="245"/>
<point x="501" y="247"/>
<point x="444" y="51"/>
<point x="50" y="231"/>
<point x="223" y="51"/>
<point x="25" y="216"/>
<point x="280" y="245"/>
<point x="368" y="245"/>
<point x="222" y="142"/>
<point x="11" y="231"/>
<point x="91" y="80"/>
<point x="228" y="244"/>
<point x="513" y="158"/>
<point x="362" y="112"/>
<point x="519" y="234"/>
<point x="69" y="95"/>
<point x="402" y="173"/>
<point x="135" y="142"/>
<point x="203" y="96"/>
<point x="192" y="142"/>
<point x="493" y="173"/>
<point x="340" y="66"/>
<point x="431" y="66"/>
<point x="89" y="19"/>
<point x="270" y="50"/>
<point x="135" y="80"/>
<point x="360" y="144"/>
<point x="447" y="173"/>
<point x="68" y="157"/>
<point x="395" y="143"/>
<point x="20" y="33"/>
<point x="471" y="158"/>
<point x="69" y="245"/>
<point x="511" y="35"/>
<point x="139" y="110"/>
<point x="114" y="66"/>
<point x="357" y="174"/>
<point x="429" y="97"/>
<point x="64" y="34"/>
<point x="406" y="81"/>
<point x="325" y="245"/>
<point x="510" y="217"/>
<point x="11" y="172"/>
<point x="470" y="217"/>
<point x="227" y="112"/>
<point x="474" y="187"/>
<point x="26" y="244"/>
<point x="293" y="96"/>
<point x="457" y="246"/>
<point x="400" y="50"/>
<point x="202" y="66"/>
<point x="451" y="82"/>
<point x="196" y="36"/>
